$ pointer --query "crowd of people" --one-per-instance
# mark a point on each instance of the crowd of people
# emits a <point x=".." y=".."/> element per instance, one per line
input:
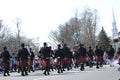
<point x="59" y="59"/>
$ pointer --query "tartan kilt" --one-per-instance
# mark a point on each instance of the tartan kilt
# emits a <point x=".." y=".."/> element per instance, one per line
<point x="76" y="61"/>
<point x="82" y="59"/>
<point x="62" y="61"/>
<point x="90" y="59"/>
<point x="99" y="58"/>
<point x="110" y="57"/>
<point x="45" y="63"/>
<point x="23" y="63"/>
<point x="67" y="61"/>
<point x="119" y="59"/>
<point x="6" y="65"/>
<point x="31" y="62"/>
<point x="57" y="62"/>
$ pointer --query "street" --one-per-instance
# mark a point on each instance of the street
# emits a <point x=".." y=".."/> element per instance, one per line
<point x="104" y="73"/>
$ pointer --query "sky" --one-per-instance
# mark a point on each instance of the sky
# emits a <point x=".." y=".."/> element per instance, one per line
<point x="39" y="17"/>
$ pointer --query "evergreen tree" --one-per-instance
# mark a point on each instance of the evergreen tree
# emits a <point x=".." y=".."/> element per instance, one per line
<point x="104" y="40"/>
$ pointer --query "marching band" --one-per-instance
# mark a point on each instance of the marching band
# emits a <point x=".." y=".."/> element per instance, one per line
<point x="61" y="59"/>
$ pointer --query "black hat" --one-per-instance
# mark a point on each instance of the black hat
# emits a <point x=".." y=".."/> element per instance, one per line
<point x="4" y="48"/>
<point x="22" y="45"/>
<point x="59" y="45"/>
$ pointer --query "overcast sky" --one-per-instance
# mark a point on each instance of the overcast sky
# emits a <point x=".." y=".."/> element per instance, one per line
<point x="39" y="17"/>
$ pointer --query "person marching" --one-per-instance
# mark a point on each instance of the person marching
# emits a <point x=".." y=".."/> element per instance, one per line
<point x="82" y="56"/>
<point x="6" y="61"/>
<point x="76" y="58"/>
<point x="97" y="57"/>
<point x="118" y="55"/>
<point x="31" y="60"/>
<point x="67" y="57"/>
<point x="58" y="57"/>
<point x="111" y="53"/>
<point x="45" y="55"/>
<point x="90" y="55"/>
<point x="23" y="55"/>
<point x="101" y="57"/>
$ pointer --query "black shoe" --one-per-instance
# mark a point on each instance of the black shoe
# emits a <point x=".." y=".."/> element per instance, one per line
<point x="22" y="75"/>
<point x="4" y="75"/>
<point x="61" y="71"/>
<point x="82" y="69"/>
<point x="58" y="71"/>
<point x="44" y="73"/>
<point x="97" y="67"/>
<point x="101" y="65"/>
<point x="26" y="74"/>
<point x="48" y="73"/>
<point x="8" y="74"/>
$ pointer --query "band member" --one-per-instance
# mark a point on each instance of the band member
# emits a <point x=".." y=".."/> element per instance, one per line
<point x="101" y="57"/>
<point x="118" y="55"/>
<point x="110" y="54"/>
<point x="6" y="61"/>
<point x="23" y="55"/>
<point x="45" y="55"/>
<point x="82" y="56"/>
<point x="97" y="57"/>
<point x="58" y="57"/>
<point x="90" y="54"/>
<point x="51" y="58"/>
<point x="31" y="60"/>
<point x="67" y="57"/>
<point x="76" y="58"/>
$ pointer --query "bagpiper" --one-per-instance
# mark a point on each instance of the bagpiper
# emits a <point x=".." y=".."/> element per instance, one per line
<point x="45" y="61"/>
<point x="31" y="60"/>
<point x="90" y="54"/>
<point x="118" y="55"/>
<point x="111" y="53"/>
<point x="6" y="61"/>
<point x="58" y="59"/>
<point x="82" y="56"/>
<point x="23" y="55"/>
<point x="67" y="57"/>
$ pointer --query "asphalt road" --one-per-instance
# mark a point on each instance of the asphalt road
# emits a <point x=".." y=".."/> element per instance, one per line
<point x="104" y="73"/>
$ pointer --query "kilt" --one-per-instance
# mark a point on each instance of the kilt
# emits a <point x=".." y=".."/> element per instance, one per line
<point x="6" y="65"/>
<point x="57" y="62"/>
<point x="99" y="58"/>
<point x="62" y="61"/>
<point x="45" y="63"/>
<point x="76" y="61"/>
<point x="23" y="63"/>
<point x="31" y="62"/>
<point x="82" y="59"/>
<point x="119" y="61"/>
<point x="90" y="59"/>
<point x="67" y="61"/>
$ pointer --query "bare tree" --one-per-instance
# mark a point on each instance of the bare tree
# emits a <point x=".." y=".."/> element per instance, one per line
<point x="4" y="34"/>
<point x="79" y="29"/>
<point x="89" y="22"/>
<point x="18" y="22"/>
